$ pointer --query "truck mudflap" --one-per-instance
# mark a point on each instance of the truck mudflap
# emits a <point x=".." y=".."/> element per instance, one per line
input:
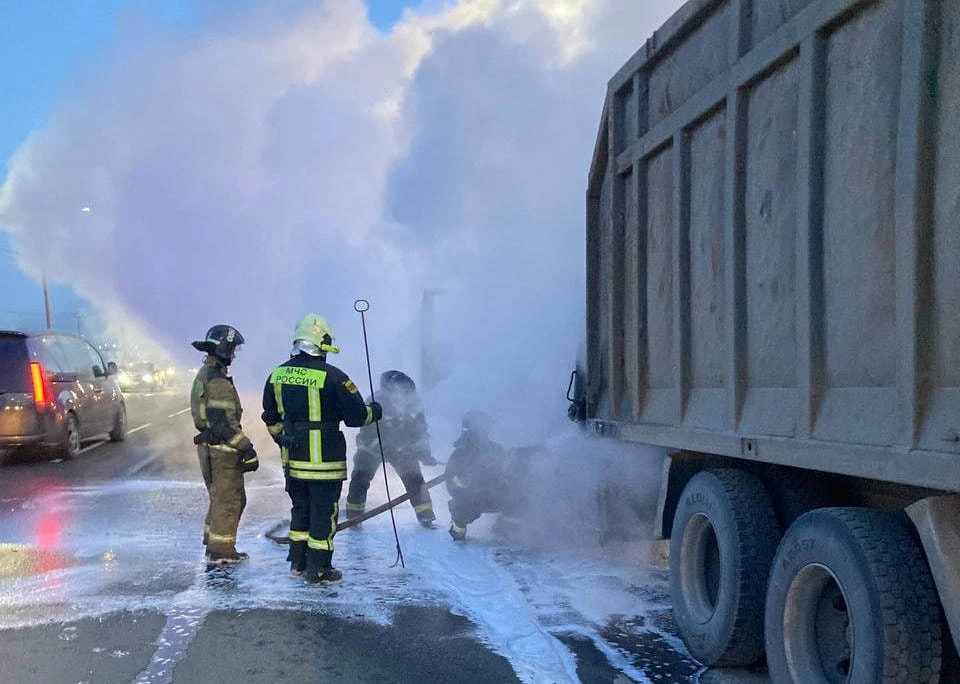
<point x="937" y="520"/>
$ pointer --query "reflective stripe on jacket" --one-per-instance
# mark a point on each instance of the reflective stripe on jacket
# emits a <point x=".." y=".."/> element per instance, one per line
<point x="304" y="401"/>
<point x="215" y="406"/>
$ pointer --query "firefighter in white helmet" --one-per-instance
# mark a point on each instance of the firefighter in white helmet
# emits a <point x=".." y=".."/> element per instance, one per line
<point x="304" y="401"/>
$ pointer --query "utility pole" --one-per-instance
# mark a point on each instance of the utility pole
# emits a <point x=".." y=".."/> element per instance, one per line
<point x="46" y="303"/>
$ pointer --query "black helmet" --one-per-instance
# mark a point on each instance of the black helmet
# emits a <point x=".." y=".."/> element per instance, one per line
<point x="221" y="341"/>
<point x="397" y="380"/>
<point x="477" y="422"/>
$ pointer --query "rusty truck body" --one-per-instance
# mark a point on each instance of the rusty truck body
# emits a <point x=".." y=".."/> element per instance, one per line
<point x="773" y="296"/>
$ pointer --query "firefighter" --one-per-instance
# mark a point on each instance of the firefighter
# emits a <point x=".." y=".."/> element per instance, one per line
<point x="304" y="401"/>
<point x="406" y="444"/>
<point x="477" y="477"/>
<point x="225" y="452"/>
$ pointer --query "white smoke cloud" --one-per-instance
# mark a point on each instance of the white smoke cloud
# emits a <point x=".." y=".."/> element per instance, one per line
<point x="280" y="162"/>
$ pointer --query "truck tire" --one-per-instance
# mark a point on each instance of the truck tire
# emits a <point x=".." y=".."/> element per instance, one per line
<point x="724" y="539"/>
<point x="795" y="492"/>
<point x="851" y="599"/>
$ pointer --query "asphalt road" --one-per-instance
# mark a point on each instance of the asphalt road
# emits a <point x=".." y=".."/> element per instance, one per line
<point x="102" y="580"/>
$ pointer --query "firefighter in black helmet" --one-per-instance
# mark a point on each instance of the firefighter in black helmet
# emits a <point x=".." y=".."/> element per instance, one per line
<point x="477" y="476"/>
<point x="225" y="452"/>
<point x="406" y="444"/>
<point x="304" y="401"/>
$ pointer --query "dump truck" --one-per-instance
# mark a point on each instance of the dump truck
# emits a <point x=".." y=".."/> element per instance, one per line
<point x="773" y="297"/>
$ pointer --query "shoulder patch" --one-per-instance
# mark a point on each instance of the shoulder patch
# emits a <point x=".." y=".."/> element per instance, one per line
<point x="350" y="387"/>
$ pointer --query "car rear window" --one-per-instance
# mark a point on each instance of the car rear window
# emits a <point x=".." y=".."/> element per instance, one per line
<point x="14" y="365"/>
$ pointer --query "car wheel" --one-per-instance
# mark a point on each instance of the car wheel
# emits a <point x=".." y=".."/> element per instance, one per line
<point x="851" y="599"/>
<point x="724" y="538"/>
<point x="119" y="431"/>
<point x="71" y="443"/>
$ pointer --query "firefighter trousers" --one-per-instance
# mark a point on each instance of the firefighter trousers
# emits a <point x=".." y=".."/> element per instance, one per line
<point x="365" y="467"/>
<point x="223" y="478"/>
<point x="313" y="523"/>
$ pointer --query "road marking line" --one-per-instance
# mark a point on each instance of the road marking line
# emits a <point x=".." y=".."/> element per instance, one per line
<point x="92" y="446"/>
<point x="178" y="413"/>
<point x="137" y="467"/>
<point x="138" y="429"/>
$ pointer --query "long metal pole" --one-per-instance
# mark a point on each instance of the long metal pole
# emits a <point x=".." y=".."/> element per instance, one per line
<point x="46" y="303"/>
<point x="361" y="306"/>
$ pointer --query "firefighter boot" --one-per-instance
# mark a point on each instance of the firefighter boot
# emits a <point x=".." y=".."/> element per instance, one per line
<point x="425" y="515"/>
<point x="457" y="532"/>
<point x="320" y="568"/>
<point x="427" y="520"/>
<point x="325" y="576"/>
<point x="297" y="557"/>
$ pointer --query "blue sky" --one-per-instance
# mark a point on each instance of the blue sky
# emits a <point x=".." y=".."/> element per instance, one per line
<point x="42" y="44"/>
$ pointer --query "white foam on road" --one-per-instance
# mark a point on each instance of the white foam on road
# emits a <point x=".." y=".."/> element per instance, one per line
<point x="478" y="587"/>
<point x="135" y="545"/>
<point x="180" y="629"/>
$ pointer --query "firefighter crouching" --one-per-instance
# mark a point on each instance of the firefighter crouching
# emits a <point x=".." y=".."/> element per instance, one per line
<point x="304" y="401"/>
<point x="477" y="476"/>
<point x="406" y="444"/>
<point x="225" y="453"/>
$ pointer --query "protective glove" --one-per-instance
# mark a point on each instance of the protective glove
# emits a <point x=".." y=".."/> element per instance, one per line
<point x="248" y="459"/>
<point x="377" y="410"/>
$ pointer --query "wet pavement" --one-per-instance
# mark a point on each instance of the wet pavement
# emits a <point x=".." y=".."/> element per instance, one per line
<point x="102" y="580"/>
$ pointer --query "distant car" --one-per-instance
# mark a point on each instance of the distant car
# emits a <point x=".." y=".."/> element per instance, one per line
<point x="177" y="377"/>
<point x="55" y="393"/>
<point x="140" y="377"/>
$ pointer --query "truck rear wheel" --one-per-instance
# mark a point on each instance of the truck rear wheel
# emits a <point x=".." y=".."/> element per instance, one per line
<point x="851" y="599"/>
<point x="724" y="537"/>
<point x="797" y="492"/>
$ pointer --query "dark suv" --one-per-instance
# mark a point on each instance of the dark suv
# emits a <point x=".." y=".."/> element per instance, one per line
<point x="56" y="392"/>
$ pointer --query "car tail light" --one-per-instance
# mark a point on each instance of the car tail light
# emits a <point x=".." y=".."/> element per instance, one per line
<point x="41" y="395"/>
